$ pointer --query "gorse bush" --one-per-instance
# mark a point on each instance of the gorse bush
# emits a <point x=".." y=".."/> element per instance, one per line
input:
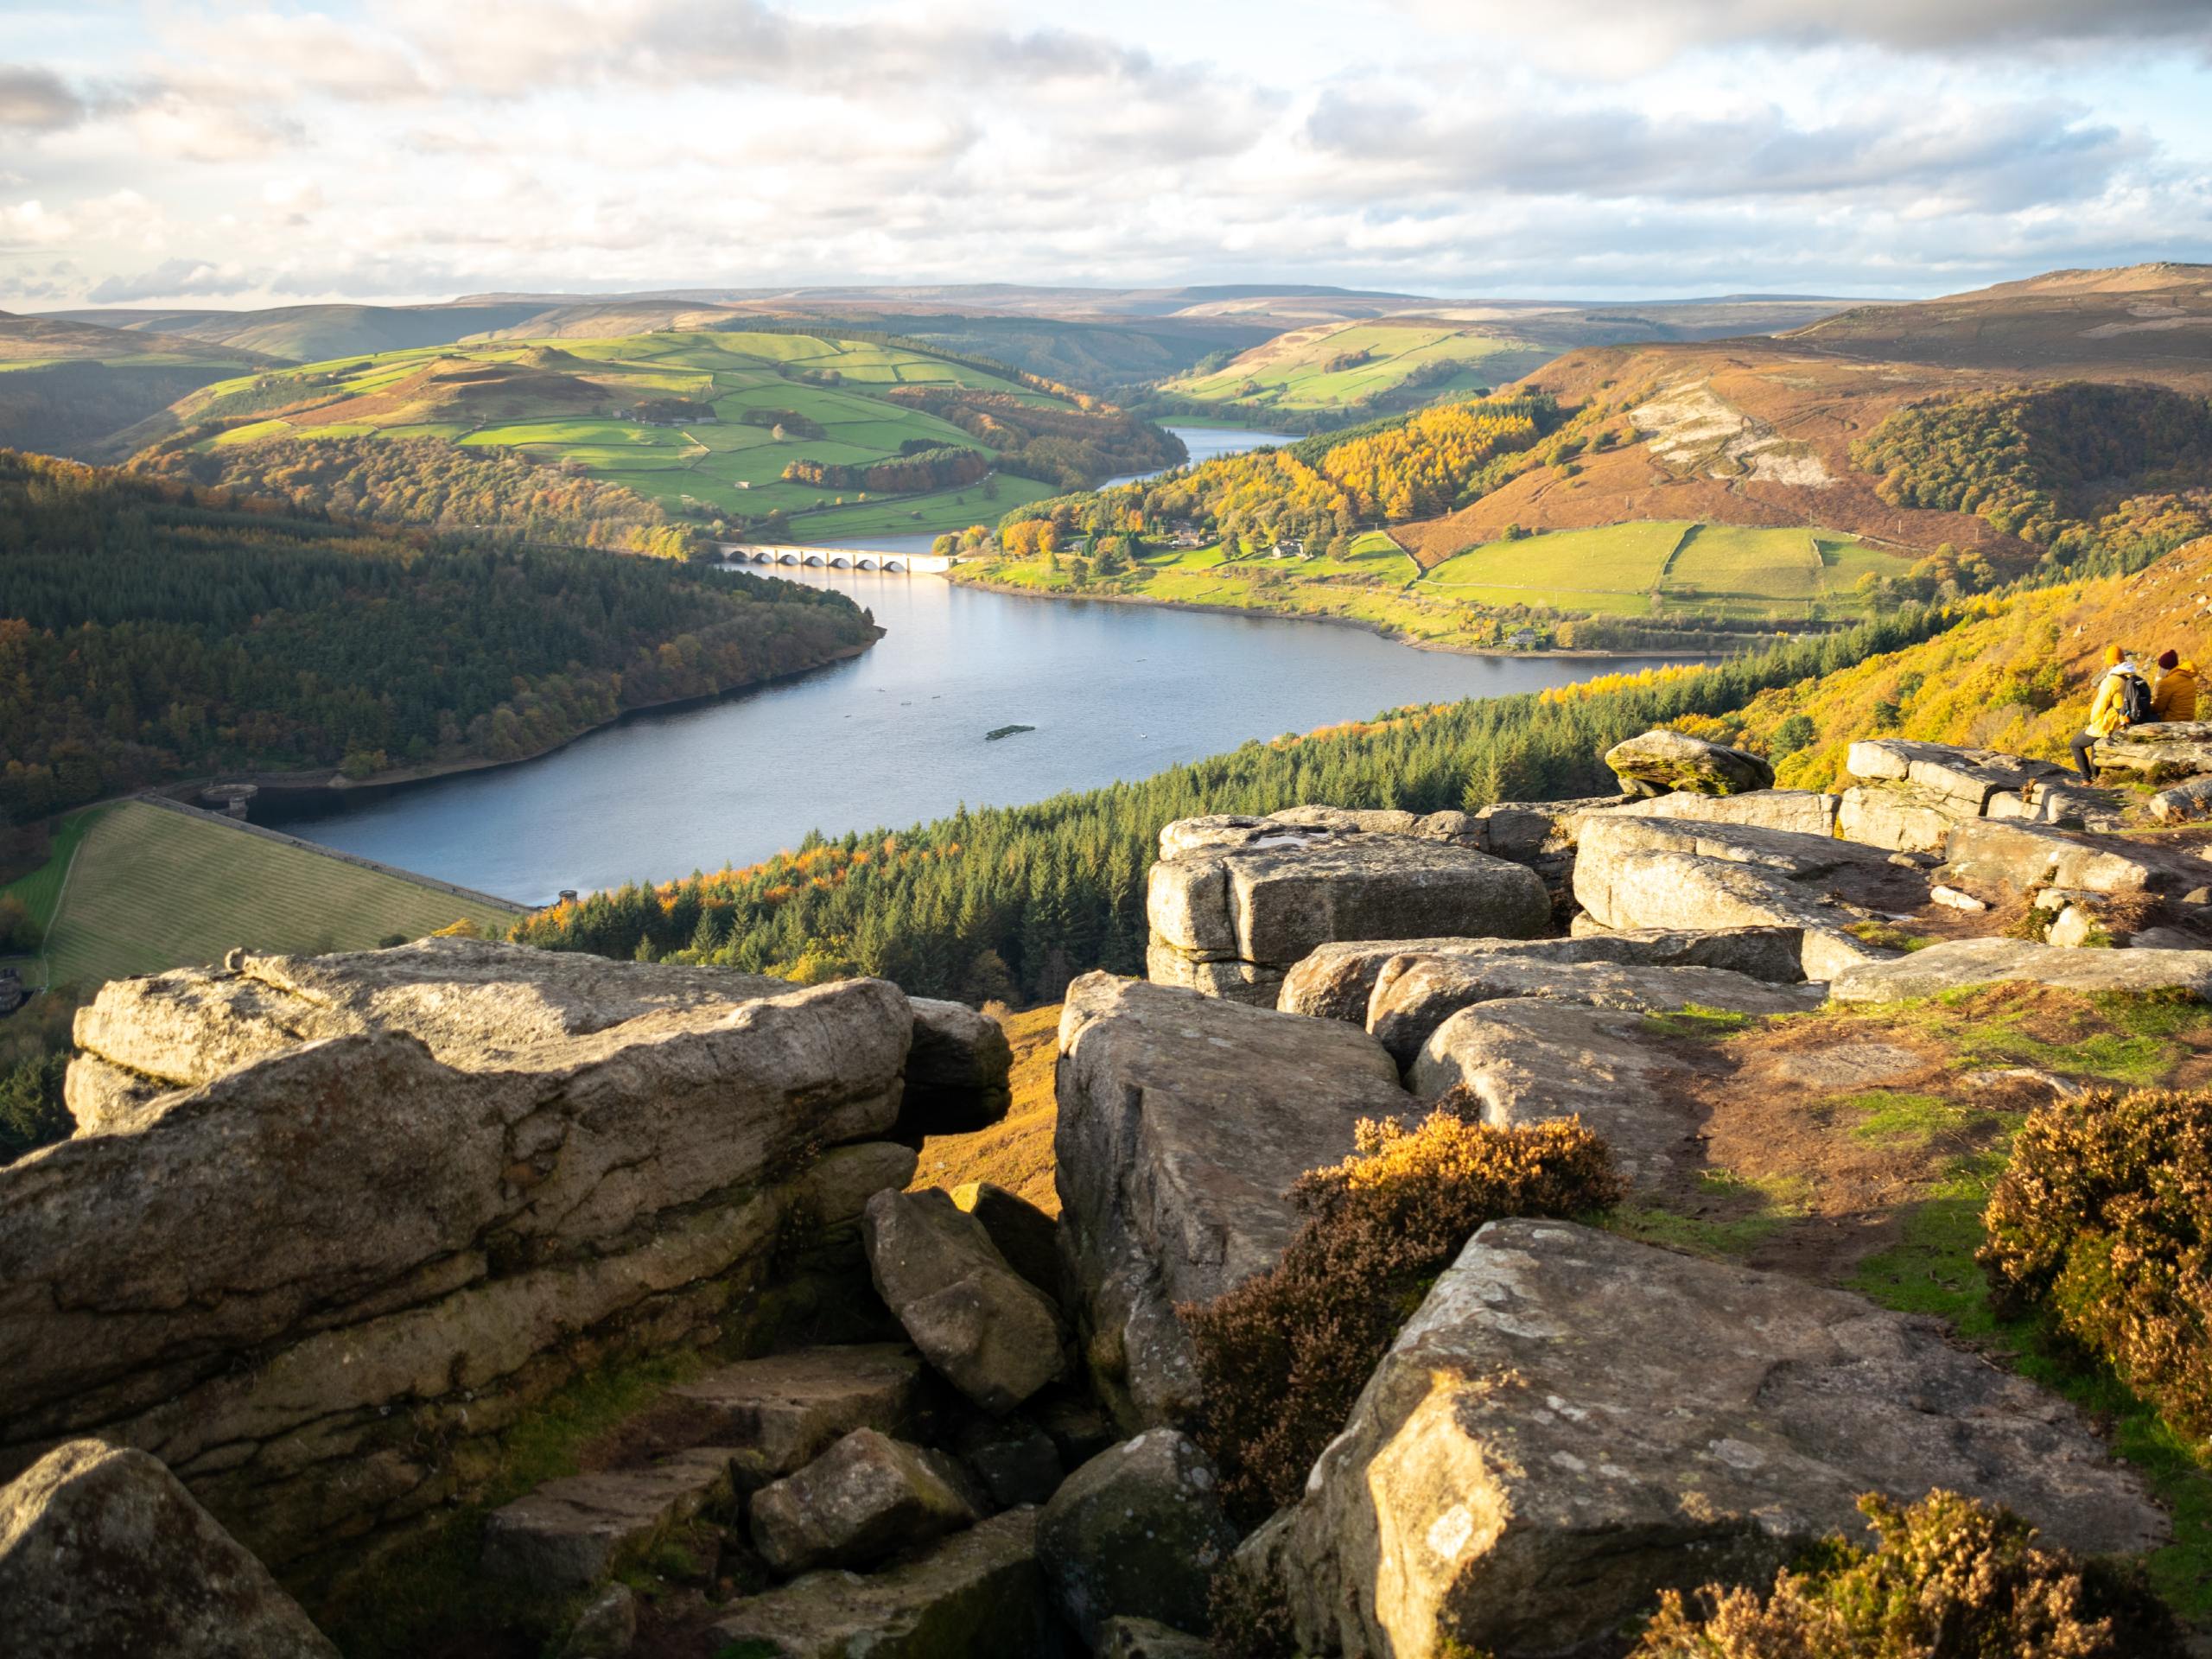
<point x="2103" y="1222"/>
<point x="1282" y="1357"/>
<point x="1951" y="1579"/>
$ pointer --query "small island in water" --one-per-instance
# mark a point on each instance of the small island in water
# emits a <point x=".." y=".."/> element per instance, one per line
<point x="997" y="732"/>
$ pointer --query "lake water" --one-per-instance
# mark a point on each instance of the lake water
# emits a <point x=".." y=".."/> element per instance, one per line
<point x="896" y="735"/>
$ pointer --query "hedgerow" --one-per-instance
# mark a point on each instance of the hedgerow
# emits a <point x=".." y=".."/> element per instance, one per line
<point x="1282" y="1357"/>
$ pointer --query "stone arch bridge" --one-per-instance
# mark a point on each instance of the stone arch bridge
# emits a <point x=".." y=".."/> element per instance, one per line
<point x="834" y="558"/>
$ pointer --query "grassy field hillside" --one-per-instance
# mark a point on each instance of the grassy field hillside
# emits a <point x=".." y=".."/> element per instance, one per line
<point x="1364" y="364"/>
<point x="704" y="425"/>
<point x="136" y="888"/>
<point x="314" y="333"/>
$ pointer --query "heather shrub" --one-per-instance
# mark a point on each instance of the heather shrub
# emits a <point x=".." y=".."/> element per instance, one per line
<point x="1951" y="1579"/>
<point x="2103" y="1222"/>
<point x="1282" y="1357"/>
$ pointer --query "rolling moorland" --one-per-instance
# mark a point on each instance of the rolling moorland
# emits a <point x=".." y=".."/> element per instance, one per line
<point x="1332" y="371"/>
<point x="1673" y="490"/>
<point x="67" y="384"/>
<point x="792" y="433"/>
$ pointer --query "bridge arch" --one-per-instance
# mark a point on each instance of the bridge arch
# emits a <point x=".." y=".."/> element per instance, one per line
<point x="786" y="558"/>
<point x="892" y="564"/>
<point x="839" y="562"/>
<point x="762" y="555"/>
<point x="815" y="558"/>
<point x="866" y="563"/>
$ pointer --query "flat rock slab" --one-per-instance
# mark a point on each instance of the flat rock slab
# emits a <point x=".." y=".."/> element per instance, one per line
<point x="1183" y="1121"/>
<point x="1960" y="962"/>
<point x="1338" y="980"/>
<point x="1573" y="1422"/>
<point x="790" y="1406"/>
<point x="1532" y="1062"/>
<point x="977" y="1592"/>
<point x="1901" y="817"/>
<point x="1414" y="995"/>
<point x="568" y="1532"/>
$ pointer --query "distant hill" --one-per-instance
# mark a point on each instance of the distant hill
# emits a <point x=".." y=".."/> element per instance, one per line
<point x="1762" y="431"/>
<point x="1406" y="358"/>
<point x="67" y="384"/>
<point x="314" y="333"/>
<point x="807" y="434"/>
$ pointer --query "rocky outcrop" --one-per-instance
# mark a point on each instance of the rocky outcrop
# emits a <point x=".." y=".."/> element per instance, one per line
<point x="1958" y="962"/>
<point x="1138" y="1531"/>
<point x="987" y="1331"/>
<point x="1183" y="1121"/>
<point x="1236" y="904"/>
<point x="103" y="1553"/>
<point x="977" y="1592"/>
<point x="1147" y="1638"/>
<point x="2008" y="860"/>
<point x="1338" y="981"/>
<point x="1573" y="1422"/>
<point x="1028" y="1237"/>
<point x="2159" y="751"/>
<point x="1662" y="761"/>
<point x="352" y="1210"/>
<point x="1909" y="795"/>
<point x="956" y="1072"/>
<point x="867" y="1497"/>
<point x="1641" y="872"/>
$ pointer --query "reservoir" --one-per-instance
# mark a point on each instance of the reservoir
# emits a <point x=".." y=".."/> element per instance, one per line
<point x="896" y="735"/>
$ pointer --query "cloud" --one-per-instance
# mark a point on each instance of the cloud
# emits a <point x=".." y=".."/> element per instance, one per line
<point x="174" y="279"/>
<point x="37" y="99"/>
<point x="1629" y="36"/>
<point x="1994" y="158"/>
<point x="30" y="224"/>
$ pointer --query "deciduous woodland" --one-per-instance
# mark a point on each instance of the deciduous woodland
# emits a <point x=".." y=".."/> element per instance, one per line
<point x="149" y="631"/>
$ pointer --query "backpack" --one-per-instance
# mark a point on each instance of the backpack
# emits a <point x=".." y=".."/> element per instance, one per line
<point x="2134" y="700"/>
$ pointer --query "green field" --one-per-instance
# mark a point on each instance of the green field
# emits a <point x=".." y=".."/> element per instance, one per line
<point x="1295" y="371"/>
<point x="150" y="889"/>
<point x="1631" y="569"/>
<point x="568" y="401"/>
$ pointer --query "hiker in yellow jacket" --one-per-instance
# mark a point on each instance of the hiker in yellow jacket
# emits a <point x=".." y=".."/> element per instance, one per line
<point x="2173" y="694"/>
<point x="2108" y="708"/>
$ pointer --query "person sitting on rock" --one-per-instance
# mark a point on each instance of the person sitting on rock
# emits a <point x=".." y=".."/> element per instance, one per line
<point x="2108" y="708"/>
<point x="2173" y="694"/>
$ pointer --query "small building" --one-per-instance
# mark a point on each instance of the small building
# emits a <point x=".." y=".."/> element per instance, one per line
<point x="1289" y="548"/>
<point x="1521" y="638"/>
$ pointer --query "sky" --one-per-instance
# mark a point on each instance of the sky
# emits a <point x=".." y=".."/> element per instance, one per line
<point x="161" y="153"/>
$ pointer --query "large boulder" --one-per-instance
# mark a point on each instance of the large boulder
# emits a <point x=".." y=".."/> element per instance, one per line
<point x="1139" y="1531"/>
<point x="1662" y="761"/>
<point x="1230" y="920"/>
<point x="1183" y="1122"/>
<point x="1573" y="1422"/>
<point x="1530" y="1062"/>
<point x="1956" y="964"/>
<point x="353" y="1210"/>
<point x="865" y="1498"/>
<point x="103" y="1552"/>
<point x="1415" y="995"/>
<point x="2159" y="751"/>
<point x="1641" y="872"/>
<point x="989" y="1332"/>
<point x="977" y="1592"/>
<point x="1028" y="1237"/>
<point x="957" y="1071"/>
<point x="1338" y="980"/>
<point x="1898" y="817"/>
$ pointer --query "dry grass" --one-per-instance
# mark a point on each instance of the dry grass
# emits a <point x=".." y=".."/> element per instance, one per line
<point x="1016" y="1153"/>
